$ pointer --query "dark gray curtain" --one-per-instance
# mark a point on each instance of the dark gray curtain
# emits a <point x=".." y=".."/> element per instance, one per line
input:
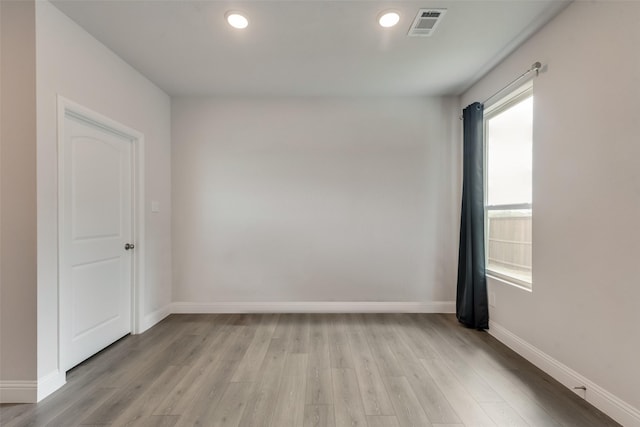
<point x="472" y="307"/>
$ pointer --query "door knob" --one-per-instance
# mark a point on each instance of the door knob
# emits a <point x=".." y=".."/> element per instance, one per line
<point x="128" y="246"/>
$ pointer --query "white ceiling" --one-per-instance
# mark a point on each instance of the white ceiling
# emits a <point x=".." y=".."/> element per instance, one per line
<point x="310" y="47"/>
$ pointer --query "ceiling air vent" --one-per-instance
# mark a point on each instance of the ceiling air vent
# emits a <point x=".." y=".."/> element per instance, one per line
<point x="426" y="22"/>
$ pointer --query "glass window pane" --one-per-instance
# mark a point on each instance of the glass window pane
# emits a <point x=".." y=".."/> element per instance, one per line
<point x="508" y="139"/>
<point x="509" y="156"/>
<point x="509" y="243"/>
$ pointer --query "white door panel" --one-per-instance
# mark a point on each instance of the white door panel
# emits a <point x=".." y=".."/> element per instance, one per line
<point x="94" y="281"/>
<point x="96" y="223"/>
<point x="96" y="204"/>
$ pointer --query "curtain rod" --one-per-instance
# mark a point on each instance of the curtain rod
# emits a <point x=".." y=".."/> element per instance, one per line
<point x="536" y="66"/>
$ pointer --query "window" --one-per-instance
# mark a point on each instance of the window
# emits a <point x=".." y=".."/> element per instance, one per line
<point x="508" y="203"/>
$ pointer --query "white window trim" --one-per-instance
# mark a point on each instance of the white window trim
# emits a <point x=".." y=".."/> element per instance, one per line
<point x="501" y="105"/>
<point x="508" y="101"/>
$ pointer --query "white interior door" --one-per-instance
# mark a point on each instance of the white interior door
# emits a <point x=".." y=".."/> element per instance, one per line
<point x="96" y="224"/>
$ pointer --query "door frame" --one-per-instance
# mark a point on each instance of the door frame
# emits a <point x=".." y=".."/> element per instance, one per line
<point x="67" y="107"/>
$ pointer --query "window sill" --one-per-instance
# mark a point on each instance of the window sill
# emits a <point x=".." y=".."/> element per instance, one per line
<point x="510" y="281"/>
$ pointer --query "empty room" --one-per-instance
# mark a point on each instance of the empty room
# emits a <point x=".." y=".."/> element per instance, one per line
<point x="319" y="213"/>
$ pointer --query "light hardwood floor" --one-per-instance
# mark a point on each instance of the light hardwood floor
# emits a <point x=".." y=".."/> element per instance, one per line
<point x="303" y="370"/>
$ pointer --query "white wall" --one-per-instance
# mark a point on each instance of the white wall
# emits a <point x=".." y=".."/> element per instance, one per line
<point x="73" y="64"/>
<point x="314" y="199"/>
<point x="586" y="195"/>
<point x="18" y="202"/>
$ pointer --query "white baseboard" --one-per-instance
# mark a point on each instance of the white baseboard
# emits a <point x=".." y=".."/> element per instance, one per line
<point x="315" y="307"/>
<point x="18" y="391"/>
<point x="608" y="403"/>
<point x="154" y="317"/>
<point x="50" y="383"/>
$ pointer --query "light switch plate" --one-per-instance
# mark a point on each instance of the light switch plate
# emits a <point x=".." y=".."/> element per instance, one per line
<point x="155" y="206"/>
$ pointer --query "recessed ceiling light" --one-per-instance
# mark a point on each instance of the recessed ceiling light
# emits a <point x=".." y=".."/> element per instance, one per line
<point x="237" y="20"/>
<point x="388" y="19"/>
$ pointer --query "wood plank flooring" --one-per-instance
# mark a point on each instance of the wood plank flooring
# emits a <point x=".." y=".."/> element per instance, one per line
<point x="308" y="370"/>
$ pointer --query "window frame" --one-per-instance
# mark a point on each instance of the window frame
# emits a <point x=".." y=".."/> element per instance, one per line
<point x="501" y="105"/>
